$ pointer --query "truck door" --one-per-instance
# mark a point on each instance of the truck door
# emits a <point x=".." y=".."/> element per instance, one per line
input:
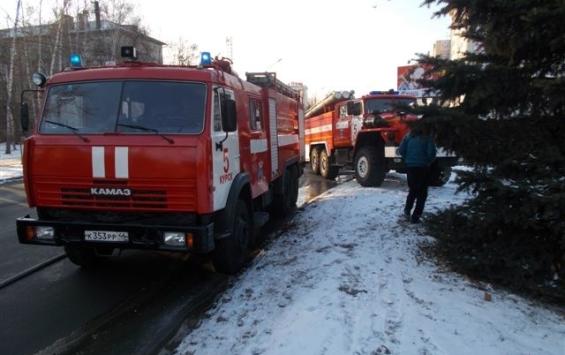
<point x="355" y="111"/>
<point x="348" y="124"/>
<point x="342" y="136"/>
<point x="225" y="150"/>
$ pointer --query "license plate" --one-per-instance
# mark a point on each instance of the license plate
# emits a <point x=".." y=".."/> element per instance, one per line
<point x="106" y="236"/>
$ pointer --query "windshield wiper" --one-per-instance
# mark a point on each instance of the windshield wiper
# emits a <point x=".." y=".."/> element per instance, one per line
<point x="71" y="128"/>
<point x="147" y="129"/>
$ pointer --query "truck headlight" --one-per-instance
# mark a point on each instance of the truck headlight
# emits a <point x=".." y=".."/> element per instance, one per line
<point x="175" y="239"/>
<point x="44" y="233"/>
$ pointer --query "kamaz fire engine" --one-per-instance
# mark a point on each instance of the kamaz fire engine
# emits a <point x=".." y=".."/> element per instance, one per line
<point x="146" y="156"/>
<point x="341" y="131"/>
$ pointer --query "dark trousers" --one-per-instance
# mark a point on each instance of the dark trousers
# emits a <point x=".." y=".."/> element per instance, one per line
<point x="418" y="180"/>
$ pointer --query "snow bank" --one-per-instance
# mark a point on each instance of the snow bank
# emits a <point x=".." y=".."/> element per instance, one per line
<point x="347" y="278"/>
<point x="10" y="164"/>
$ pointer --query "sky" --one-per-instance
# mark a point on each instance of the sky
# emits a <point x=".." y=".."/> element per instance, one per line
<point x="327" y="45"/>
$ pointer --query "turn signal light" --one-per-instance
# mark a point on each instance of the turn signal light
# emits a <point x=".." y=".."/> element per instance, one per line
<point x="189" y="240"/>
<point x="30" y="233"/>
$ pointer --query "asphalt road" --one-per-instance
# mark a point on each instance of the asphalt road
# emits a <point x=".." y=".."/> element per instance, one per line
<point x="13" y="257"/>
<point x="133" y="303"/>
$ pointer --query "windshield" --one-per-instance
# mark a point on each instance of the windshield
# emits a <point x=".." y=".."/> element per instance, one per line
<point x="386" y="105"/>
<point x="125" y="106"/>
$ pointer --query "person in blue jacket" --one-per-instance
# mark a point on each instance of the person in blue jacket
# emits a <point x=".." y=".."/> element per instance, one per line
<point x="418" y="152"/>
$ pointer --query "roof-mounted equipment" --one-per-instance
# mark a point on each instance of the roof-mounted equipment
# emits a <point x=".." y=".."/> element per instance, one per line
<point x="389" y="92"/>
<point x="129" y="52"/>
<point x="75" y="61"/>
<point x="205" y="59"/>
<point x="269" y="80"/>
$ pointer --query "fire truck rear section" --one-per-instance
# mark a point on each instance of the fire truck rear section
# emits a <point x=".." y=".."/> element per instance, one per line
<point x="143" y="156"/>
<point x="342" y="131"/>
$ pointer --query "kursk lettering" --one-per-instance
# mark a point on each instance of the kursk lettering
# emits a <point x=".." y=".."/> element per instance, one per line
<point x="226" y="177"/>
<point x="109" y="191"/>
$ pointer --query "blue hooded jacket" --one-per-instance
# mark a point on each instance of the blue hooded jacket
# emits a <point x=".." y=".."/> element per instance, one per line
<point x="417" y="151"/>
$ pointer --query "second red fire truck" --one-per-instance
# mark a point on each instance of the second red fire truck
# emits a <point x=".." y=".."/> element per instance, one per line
<point x="364" y="133"/>
<point x="146" y="156"/>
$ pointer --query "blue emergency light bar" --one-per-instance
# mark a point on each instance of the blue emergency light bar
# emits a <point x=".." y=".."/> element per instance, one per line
<point x="389" y="92"/>
<point x="75" y="60"/>
<point x="205" y="58"/>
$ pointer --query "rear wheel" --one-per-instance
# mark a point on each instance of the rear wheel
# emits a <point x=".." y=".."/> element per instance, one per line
<point x="231" y="251"/>
<point x="315" y="160"/>
<point x="326" y="169"/>
<point x="369" y="167"/>
<point x="82" y="256"/>
<point x="286" y="202"/>
<point x="439" y="175"/>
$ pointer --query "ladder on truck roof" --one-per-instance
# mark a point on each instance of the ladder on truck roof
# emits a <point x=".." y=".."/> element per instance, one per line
<point x="269" y="80"/>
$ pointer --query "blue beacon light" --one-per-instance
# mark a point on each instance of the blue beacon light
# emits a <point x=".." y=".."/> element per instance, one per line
<point x="205" y="58"/>
<point x="76" y="60"/>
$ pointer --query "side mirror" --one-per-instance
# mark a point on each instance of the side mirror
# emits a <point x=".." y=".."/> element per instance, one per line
<point x="24" y="116"/>
<point x="229" y="115"/>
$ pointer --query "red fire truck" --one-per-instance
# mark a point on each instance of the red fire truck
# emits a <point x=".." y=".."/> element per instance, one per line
<point x="343" y="131"/>
<point x="147" y="156"/>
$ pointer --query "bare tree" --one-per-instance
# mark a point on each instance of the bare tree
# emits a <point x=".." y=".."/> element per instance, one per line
<point x="184" y="53"/>
<point x="121" y="13"/>
<point x="57" y="53"/>
<point x="10" y="133"/>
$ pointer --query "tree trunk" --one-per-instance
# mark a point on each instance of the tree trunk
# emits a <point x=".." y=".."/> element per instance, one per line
<point x="39" y="57"/>
<point x="27" y="61"/>
<point x="10" y="136"/>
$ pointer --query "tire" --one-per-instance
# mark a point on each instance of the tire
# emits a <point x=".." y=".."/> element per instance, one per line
<point x="326" y="169"/>
<point x="315" y="160"/>
<point x="84" y="257"/>
<point x="285" y="203"/>
<point x="231" y="252"/>
<point x="369" y="167"/>
<point x="439" y="175"/>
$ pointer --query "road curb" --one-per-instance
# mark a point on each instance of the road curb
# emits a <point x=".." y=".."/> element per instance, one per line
<point x="31" y="270"/>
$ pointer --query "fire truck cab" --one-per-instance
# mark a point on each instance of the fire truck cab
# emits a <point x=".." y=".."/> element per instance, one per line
<point x="147" y="156"/>
<point x="364" y="133"/>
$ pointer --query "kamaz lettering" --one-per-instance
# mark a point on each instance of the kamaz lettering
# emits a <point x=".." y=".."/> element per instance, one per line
<point x="106" y="191"/>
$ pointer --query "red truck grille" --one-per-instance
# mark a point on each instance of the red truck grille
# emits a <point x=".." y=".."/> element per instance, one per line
<point x="139" y="198"/>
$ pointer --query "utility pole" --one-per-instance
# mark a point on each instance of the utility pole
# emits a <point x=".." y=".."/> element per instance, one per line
<point x="229" y="47"/>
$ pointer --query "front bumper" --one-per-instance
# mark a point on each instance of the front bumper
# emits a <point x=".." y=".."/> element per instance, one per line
<point x="139" y="236"/>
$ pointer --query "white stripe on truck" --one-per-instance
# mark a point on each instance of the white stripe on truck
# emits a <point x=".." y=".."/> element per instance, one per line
<point x="121" y="162"/>
<point x="98" y="169"/>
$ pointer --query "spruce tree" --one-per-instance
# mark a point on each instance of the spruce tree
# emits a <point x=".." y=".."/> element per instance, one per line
<point x="502" y="109"/>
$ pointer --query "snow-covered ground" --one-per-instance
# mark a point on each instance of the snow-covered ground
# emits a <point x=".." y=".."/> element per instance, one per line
<point x="10" y="164"/>
<point x="347" y="277"/>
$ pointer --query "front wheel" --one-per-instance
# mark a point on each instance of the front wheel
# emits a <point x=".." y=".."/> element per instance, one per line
<point x="439" y="175"/>
<point x="369" y="167"/>
<point x="84" y="257"/>
<point x="231" y="251"/>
